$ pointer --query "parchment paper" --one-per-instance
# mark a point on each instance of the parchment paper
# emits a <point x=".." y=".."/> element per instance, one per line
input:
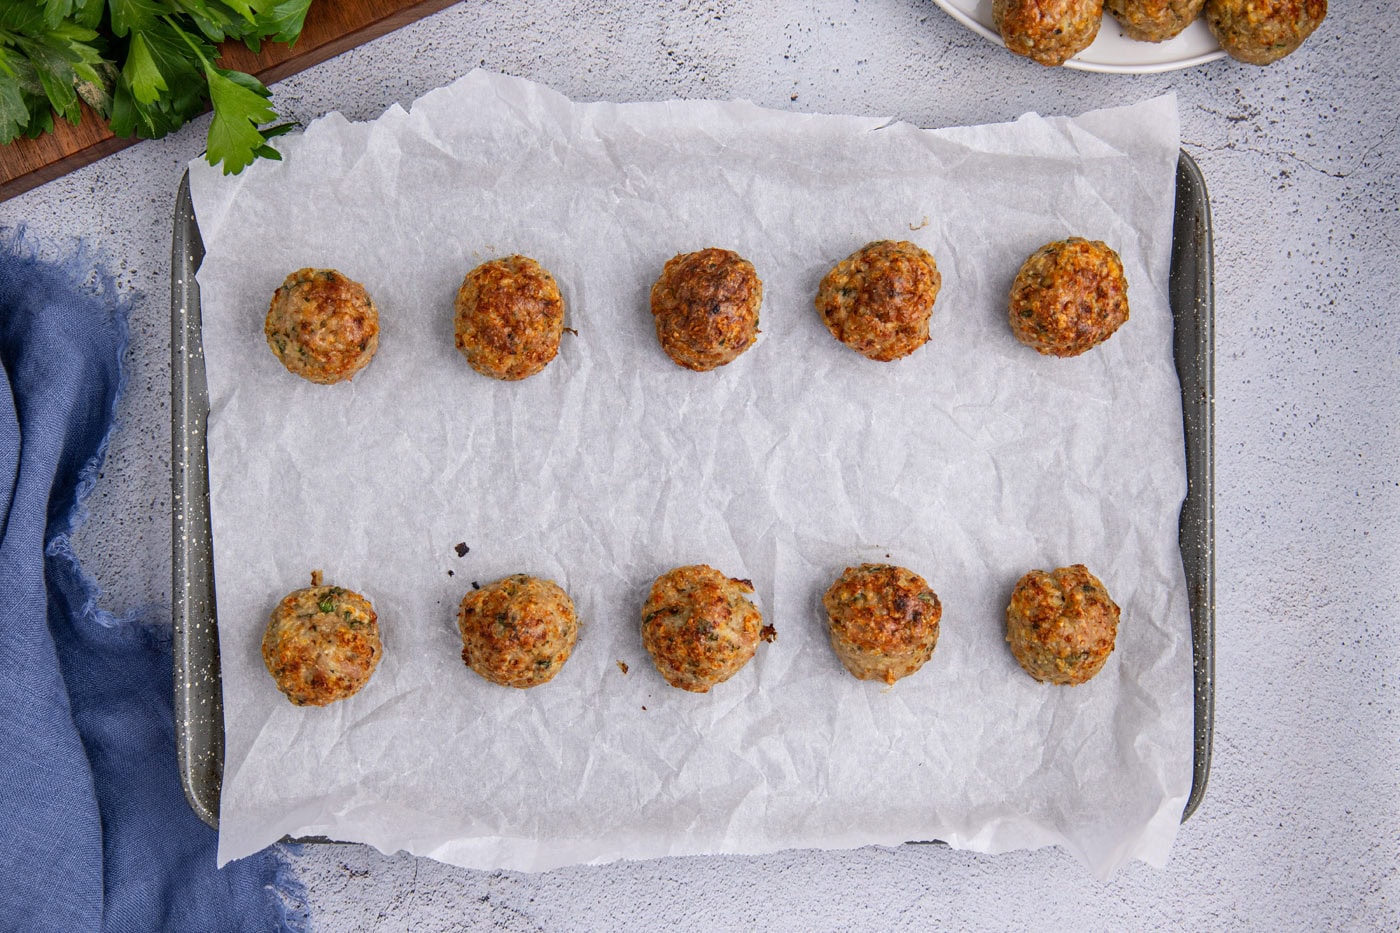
<point x="971" y="462"/>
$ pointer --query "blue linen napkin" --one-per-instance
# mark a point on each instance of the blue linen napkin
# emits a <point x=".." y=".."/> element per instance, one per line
<point x="95" y="832"/>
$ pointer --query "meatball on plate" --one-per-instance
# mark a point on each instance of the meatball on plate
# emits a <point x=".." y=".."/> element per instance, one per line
<point x="517" y="631"/>
<point x="883" y="621"/>
<point x="1048" y="32"/>
<point x="1261" y="32"/>
<point x="1153" y="20"/>
<point x="705" y="306"/>
<point x="321" y="644"/>
<point x="700" y="627"/>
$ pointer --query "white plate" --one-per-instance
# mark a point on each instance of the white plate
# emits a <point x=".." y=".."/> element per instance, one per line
<point x="1111" y="51"/>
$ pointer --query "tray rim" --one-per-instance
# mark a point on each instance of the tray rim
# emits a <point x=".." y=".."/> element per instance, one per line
<point x="196" y="673"/>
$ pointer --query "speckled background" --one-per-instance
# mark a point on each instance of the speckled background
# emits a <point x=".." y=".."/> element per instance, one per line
<point x="1300" y="827"/>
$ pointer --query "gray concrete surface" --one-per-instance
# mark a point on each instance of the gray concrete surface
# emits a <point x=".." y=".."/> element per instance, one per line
<point x="1300" y="828"/>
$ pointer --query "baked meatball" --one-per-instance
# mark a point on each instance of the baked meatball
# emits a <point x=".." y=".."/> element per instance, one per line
<point x="883" y="621"/>
<point x="323" y="326"/>
<point x="700" y="628"/>
<point x="878" y="300"/>
<point x="1061" y="625"/>
<point x="322" y="644"/>
<point x="1069" y="297"/>
<point x="1047" y="31"/>
<point x="1153" y="20"/>
<point x="518" y="631"/>
<point x="1263" y="31"/>
<point x="706" y="308"/>
<point x="509" y="318"/>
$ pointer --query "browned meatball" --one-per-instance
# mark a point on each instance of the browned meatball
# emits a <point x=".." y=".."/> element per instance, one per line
<point x="518" y="631"/>
<point x="700" y="628"/>
<point x="322" y="326"/>
<point x="1061" y="625"/>
<point x="883" y="621"/>
<point x="1153" y="20"/>
<point x="706" y="308"/>
<point x="509" y="319"/>
<point x="878" y="300"/>
<point x="1069" y="297"/>
<point x="1263" y="31"/>
<point x="322" y="644"/>
<point x="1047" y="31"/>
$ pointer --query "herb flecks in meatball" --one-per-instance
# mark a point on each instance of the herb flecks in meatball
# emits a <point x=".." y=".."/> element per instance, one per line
<point x="1061" y="624"/>
<point x="883" y="621"/>
<point x="705" y="305"/>
<point x="517" y="631"/>
<point x="878" y="301"/>
<point x="1069" y="297"/>
<point x="700" y="627"/>
<point x="323" y="326"/>
<point x="509" y="318"/>
<point x="321" y="644"/>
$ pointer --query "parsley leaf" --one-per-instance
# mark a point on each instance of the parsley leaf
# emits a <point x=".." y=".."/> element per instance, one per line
<point x="129" y="14"/>
<point x="234" y="137"/>
<point x="142" y="72"/>
<point x="283" y="21"/>
<point x="86" y="13"/>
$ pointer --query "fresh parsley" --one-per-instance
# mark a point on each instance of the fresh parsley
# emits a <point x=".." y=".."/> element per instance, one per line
<point x="147" y="66"/>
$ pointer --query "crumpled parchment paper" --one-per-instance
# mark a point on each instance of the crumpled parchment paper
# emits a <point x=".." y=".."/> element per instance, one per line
<point x="970" y="462"/>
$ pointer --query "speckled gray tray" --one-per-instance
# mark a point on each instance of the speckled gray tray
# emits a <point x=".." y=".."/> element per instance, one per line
<point x="199" y="722"/>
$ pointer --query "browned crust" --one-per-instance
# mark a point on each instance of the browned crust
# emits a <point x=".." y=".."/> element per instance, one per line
<point x="883" y="621"/>
<point x="322" y="326"/>
<point x="1153" y="20"/>
<point x="509" y="318"/>
<point x="878" y="301"/>
<point x="699" y="627"/>
<point x="1260" y="32"/>
<point x="705" y="305"/>
<point x="1061" y="624"/>
<point x="1069" y="297"/>
<point x="517" y="631"/>
<point x="321" y="644"/>
<point x="1049" y="32"/>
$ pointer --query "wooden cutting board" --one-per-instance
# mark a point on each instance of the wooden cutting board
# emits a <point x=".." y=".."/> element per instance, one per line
<point x="332" y="27"/>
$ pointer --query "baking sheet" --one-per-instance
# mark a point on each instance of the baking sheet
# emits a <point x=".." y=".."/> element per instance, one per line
<point x="198" y="698"/>
<point x="782" y="599"/>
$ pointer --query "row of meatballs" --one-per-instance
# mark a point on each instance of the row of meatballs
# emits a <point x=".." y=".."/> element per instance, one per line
<point x="1258" y="32"/>
<point x="699" y="627"/>
<point x="1068" y="296"/>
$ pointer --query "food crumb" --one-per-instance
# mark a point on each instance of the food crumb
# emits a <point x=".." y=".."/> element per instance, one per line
<point x="475" y="585"/>
<point x="768" y="633"/>
<point x="451" y="574"/>
<point x="315" y="578"/>
<point x="922" y="224"/>
<point x="622" y="666"/>
<point x="461" y="548"/>
<point x="644" y="709"/>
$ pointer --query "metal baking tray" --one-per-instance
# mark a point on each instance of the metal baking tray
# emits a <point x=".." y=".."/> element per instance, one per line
<point x="199" y="721"/>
